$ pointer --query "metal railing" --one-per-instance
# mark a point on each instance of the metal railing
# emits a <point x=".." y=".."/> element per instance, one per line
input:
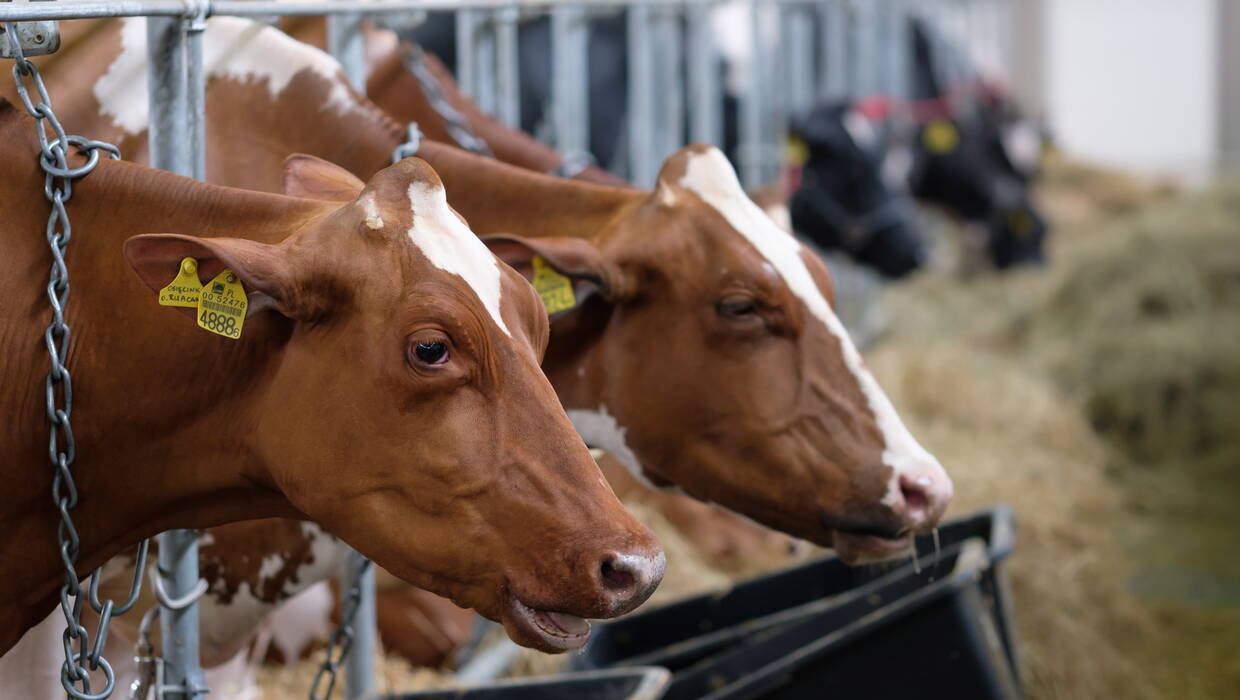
<point x="801" y="52"/>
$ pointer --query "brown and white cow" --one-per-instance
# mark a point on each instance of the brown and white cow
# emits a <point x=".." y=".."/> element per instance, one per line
<point x="387" y="385"/>
<point x="704" y="351"/>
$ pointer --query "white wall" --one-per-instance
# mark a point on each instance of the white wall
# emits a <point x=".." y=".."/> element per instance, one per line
<point x="1133" y="83"/>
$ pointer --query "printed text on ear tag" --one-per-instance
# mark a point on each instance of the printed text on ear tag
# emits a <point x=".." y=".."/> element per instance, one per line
<point x="184" y="289"/>
<point x="555" y="290"/>
<point x="221" y="309"/>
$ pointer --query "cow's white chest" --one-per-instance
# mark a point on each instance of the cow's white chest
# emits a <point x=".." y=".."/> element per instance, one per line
<point x="712" y="178"/>
<point x="233" y="48"/>
<point x="450" y="246"/>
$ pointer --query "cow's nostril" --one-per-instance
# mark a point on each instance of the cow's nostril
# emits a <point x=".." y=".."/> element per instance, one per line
<point x="914" y="491"/>
<point x="618" y="574"/>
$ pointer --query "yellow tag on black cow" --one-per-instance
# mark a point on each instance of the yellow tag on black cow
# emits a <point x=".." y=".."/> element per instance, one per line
<point x="555" y="290"/>
<point x="221" y="309"/>
<point x="185" y="289"/>
<point x="940" y="137"/>
<point x="796" y="153"/>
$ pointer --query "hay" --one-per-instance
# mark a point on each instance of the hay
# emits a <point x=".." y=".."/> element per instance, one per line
<point x="1098" y="397"/>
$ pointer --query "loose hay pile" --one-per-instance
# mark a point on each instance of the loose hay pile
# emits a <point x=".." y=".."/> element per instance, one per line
<point x="1099" y="397"/>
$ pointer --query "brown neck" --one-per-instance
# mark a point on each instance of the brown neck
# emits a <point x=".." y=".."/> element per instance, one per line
<point x="394" y="87"/>
<point x="159" y="413"/>
<point x="499" y="198"/>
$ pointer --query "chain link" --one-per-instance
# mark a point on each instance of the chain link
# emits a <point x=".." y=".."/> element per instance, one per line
<point x="58" y="180"/>
<point x="455" y="122"/>
<point x="341" y="641"/>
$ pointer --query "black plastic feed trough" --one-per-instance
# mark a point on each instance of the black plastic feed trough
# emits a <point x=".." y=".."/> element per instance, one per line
<point x="630" y="683"/>
<point x="945" y="629"/>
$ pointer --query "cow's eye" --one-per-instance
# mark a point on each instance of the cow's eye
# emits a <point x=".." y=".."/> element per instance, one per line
<point x="432" y="353"/>
<point x="428" y="349"/>
<point x="737" y="307"/>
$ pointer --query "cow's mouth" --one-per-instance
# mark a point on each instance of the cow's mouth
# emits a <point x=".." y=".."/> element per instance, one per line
<point x="556" y="631"/>
<point x="869" y="548"/>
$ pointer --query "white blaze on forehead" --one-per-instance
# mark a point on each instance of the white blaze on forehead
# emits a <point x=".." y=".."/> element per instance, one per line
<point x="712" y="178"/>
<point x="234" y="48"/>
<point x="450" y="246"/>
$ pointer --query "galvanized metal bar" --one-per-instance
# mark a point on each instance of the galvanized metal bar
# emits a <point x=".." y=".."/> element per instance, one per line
<point x="466" y="32"/>
<point x="643" y="165"/>
<point x="751" y="109"/>
<point x="669" y="120"/>
<point x="897" y="68"/>
<point x="484" y="60"/>
<point x="507" y="73"/>
<point x="705" y="103"/>
<point x="196" y="96"/>
<point x="359" y="665"/>
<point x="797" y="44"/>
<point x="346" y="43"/>
<point x="833" y="30"/>
<point x="173" y="147"/>
<point x="865" y="49"/>
<point x="570" y="55"/>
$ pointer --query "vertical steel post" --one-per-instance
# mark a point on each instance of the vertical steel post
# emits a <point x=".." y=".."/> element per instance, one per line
<point x="466" y="33"/>
<point x="359" y="666"/>
<point x="865" y="49"/>
<point x="344" y="41"/>
<point x="797" y="42"/>
<point x="643" y="166"/>
<point x="833" y="74"/>
<point x="705" y="104"/>
<point x="750" y="149"/>
<point x="484" y="61"/>
<point x="172" y="148"/>
<point x="669" y="121"/>
<point x="897" y="49"/>
<point x="507" y="76"/>
<point x="570" y="79"/>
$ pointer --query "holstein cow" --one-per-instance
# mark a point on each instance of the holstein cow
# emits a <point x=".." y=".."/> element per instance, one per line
<point x="383" y="337"/>
<point x="701" y="348"/>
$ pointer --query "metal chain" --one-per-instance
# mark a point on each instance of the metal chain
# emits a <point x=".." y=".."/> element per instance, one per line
<point x="342" y="636"/>
<point x="411" y="146"/>
<point x="62" y="448"/>
<point x="455" y="122"/>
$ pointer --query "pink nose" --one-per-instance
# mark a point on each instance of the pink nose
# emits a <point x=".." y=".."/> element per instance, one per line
<point x="628" y="579"/>
<point x="923" y="499"/>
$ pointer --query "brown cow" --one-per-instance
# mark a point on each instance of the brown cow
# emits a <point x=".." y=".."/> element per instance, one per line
<point x="688" y="301"/>
<point x="464" y="475"/>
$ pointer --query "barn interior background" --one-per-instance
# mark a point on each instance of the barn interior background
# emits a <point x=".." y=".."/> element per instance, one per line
<point x="1091" y="378"/>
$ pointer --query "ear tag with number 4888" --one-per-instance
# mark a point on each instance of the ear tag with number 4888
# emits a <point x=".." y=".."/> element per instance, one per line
<point x="184" y="289"/>
<point x="555" y="290"/>
<point x="221" y="309"/>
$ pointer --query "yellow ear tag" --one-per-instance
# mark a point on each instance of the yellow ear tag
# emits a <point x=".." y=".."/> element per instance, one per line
<point x="221" y="309"/>
<point x="940" y="137"/>
<point x="555" y="290"/>
<point x="185" y="289"/>
<point x="796" y="153"/>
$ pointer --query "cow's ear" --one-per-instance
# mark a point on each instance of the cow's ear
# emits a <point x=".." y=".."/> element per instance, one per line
<point x="262" y="269"/>
<point x="574" y="258"/>
<point x="314" y="178"/>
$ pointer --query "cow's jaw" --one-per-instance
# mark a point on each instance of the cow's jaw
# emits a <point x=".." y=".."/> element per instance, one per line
<point x="555" y="631"/>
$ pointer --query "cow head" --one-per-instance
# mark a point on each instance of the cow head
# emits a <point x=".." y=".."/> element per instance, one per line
<point x="842" y="201"/>
<point x="725" y="370"/>
<point x="966" y="166"/>
<point x="404" y="408"/>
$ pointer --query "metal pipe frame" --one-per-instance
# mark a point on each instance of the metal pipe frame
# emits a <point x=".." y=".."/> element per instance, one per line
<point x="507" y="68"/>
<point x="706" y="101"/>
<point x="833" y="45"/>
<point x="359" y="665"/>
<point x="346" y="42"/>
<point x="570" y="78"/>
<point x="643" y="167"/>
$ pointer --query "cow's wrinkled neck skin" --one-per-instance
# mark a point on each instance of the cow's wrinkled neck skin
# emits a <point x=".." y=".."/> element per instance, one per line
<point x="152" y="451"/>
